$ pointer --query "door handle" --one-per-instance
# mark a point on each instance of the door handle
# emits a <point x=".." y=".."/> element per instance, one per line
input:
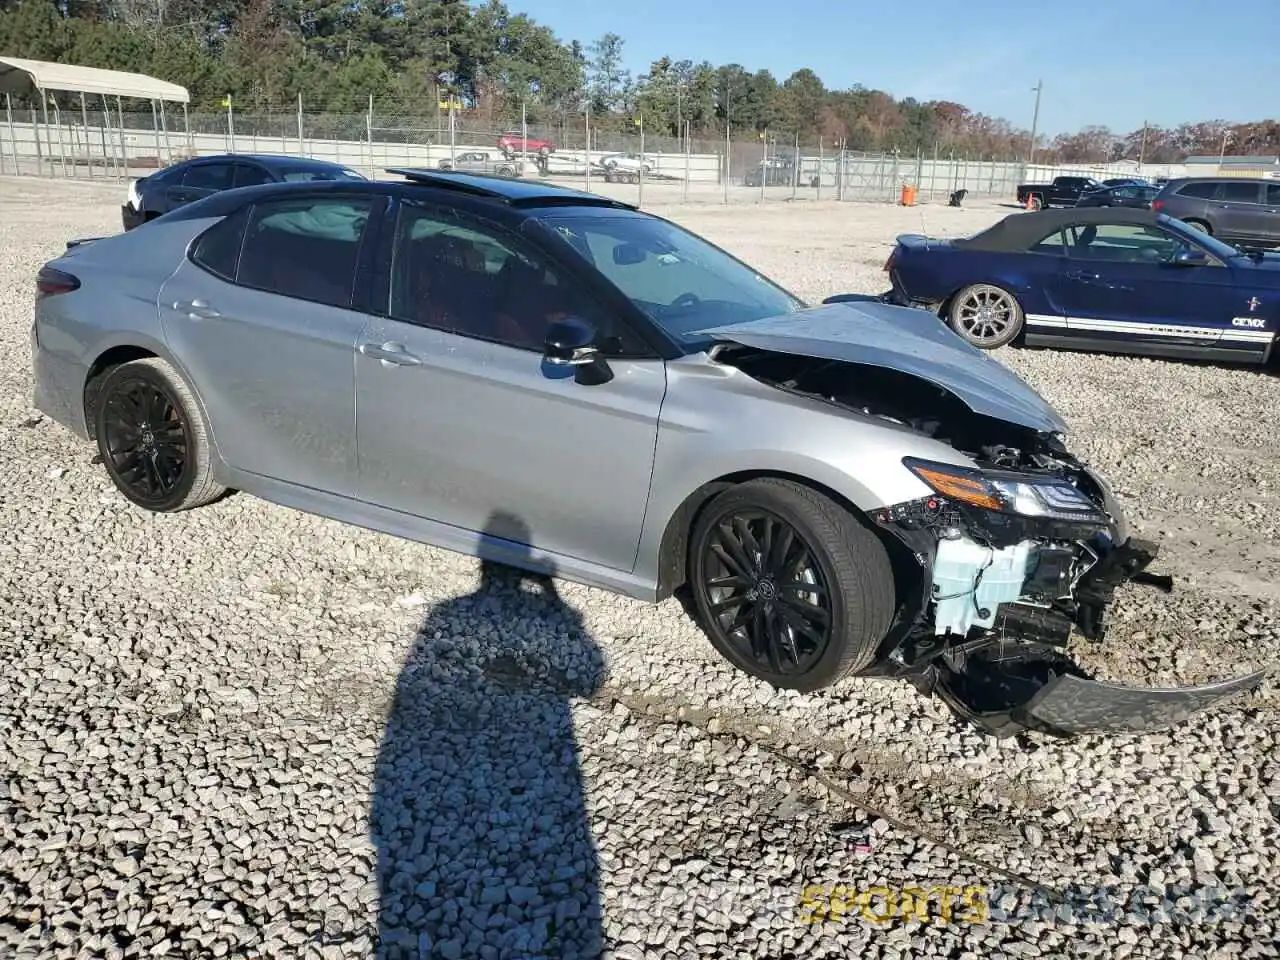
<point x="1082" y="275"/>
<point x="390" y="353"/>
<point x="196" y="309"/>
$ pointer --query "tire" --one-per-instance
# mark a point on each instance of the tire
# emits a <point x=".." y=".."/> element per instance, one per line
<point x="1200" y="225"/>
<point x="840" y="555"/>
<point x="1037" y="202"/>
<point x="133" y="386"/>
<point x="1004" y="322"/>
<point x="506" y="171"/>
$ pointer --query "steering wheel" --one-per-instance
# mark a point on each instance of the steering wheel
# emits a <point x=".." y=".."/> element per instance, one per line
<point x="686" y="300"/>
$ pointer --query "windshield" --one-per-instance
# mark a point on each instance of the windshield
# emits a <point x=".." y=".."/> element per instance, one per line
<point x="680" y="281"/>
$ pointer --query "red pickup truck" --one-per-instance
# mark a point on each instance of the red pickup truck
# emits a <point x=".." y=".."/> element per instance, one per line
<point x="512" y="143"/>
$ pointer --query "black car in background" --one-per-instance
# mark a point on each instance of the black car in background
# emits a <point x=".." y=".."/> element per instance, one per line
<point x="174" y="186"/>
<point x="1239" y="210"/>
<point x="1131" y="195"/>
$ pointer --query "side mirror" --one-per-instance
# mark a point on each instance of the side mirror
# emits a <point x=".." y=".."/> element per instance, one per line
<point x="572" y="343"/>
<point x="1190" y="257"/>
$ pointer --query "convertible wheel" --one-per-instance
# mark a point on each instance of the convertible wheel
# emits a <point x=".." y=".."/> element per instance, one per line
<point x="152" y="437"/>
<point x="788" y="585"/>
<point x="986" y="316"/>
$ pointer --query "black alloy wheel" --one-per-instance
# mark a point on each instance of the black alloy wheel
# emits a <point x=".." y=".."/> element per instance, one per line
<point x="789" y="586"/>
<point x="767" y="593"/>
<point x="152" y="437"/>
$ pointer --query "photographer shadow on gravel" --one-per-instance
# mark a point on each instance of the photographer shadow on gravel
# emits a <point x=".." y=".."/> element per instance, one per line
<point x="478" y="814"/>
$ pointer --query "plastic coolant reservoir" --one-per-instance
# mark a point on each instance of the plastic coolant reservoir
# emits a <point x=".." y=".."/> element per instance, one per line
<point x="999" y="575"/>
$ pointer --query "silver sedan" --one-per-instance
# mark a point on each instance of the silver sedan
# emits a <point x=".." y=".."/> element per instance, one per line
<point x="561" y="382"/>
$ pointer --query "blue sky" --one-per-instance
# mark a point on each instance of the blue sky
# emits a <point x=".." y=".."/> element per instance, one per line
<point x="1112" y="62"/>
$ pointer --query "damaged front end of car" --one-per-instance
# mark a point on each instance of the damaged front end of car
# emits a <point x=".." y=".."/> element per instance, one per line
<point x="1014" y="553"/>
<point x="1009" y="553"/>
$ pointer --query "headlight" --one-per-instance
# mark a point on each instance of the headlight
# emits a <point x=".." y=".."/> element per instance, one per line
<point x="1021" y="494"/>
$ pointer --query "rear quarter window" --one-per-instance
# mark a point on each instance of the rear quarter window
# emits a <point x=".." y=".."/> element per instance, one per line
<point x="218" y="248"/>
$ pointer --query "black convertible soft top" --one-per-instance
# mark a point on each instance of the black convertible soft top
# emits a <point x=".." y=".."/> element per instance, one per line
<point x="1021" y="231"/>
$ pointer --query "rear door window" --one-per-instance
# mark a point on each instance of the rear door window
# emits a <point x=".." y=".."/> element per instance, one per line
<point x="209" y="176"/>
<point x="1273" y="194"/>
<point x="306" y="248"/>
<point x="1198" y="191"/>
<point x="1239" y="191"/>
<point x="248" y="175"/>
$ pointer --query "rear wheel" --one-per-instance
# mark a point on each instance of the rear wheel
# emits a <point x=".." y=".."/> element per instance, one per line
<point x="986" y="316"/>
<point x="789" y="586"/>
<point x="153" y="439"/>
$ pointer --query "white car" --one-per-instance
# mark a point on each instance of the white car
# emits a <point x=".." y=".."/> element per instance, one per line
<point x="487" y="161"/>
<point x="629" y="162"/>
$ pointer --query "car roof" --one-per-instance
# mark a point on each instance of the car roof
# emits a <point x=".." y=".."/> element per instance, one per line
<point x="514" y="191"/>
<point x="1020" y="231"/>
<point x="526" y="196"/>
<point x="267" y="160"/>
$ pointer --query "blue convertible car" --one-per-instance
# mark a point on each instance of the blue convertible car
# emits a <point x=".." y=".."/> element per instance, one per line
<point x="1122" y="281"/>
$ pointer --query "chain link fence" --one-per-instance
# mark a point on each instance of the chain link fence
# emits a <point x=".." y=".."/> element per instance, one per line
<point x="647" y="167"/>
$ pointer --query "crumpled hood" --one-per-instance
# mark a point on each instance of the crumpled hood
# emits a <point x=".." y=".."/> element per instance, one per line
<point x="905" y="339"/>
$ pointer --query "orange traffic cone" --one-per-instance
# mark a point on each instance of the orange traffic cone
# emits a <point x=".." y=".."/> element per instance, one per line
<point x="1031" y="202"/>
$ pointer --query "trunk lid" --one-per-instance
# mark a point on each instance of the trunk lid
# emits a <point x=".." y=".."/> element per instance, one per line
<point x="904" y="339"/>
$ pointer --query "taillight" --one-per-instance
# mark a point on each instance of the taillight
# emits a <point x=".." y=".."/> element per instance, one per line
<point x="1157" y="204"/>
<point x="51" y="282"/>
<point x="888" y="264"/>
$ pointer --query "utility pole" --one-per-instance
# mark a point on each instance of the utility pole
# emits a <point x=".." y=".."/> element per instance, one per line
<point x="1035" y="122"/>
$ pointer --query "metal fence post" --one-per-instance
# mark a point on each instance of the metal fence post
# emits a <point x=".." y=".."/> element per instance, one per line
<point x="302" y="146"/>
<point x="640" y="178"/>
<point x="684" y="195"/>
<point x="368" y="126"/>
<point x="155" y="129"/>
<point x="795" y="169"/>
<point x="13" y="136"/>
<point x="728" y="146"/>
<point x="764" y="165"/>
<point x="821" y="168"/>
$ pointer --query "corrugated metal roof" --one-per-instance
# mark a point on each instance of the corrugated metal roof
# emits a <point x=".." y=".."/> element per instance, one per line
<point x="19" y="76"/>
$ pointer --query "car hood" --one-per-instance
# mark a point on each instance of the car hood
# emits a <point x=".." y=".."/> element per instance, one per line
<point x="905" y="339"/>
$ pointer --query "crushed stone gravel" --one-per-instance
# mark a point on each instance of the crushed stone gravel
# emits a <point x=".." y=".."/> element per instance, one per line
<point x="247" y="731"/>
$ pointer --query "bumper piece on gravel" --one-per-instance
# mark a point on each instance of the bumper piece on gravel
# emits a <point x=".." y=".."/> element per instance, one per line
<point x="1052" y="696"/>
<point x="1017" y="677"/>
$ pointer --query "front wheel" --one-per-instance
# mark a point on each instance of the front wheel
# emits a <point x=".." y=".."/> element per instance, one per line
<point x="986" y="316"/>
<point x="1201" y="226"/>
<point x="788" y="585"/>
<point x="153" y="439"/>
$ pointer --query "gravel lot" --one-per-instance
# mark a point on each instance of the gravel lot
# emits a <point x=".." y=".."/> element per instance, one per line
<point x="245" y="731"/>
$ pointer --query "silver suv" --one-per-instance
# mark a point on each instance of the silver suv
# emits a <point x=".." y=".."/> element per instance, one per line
<point x="1235" y="209"/>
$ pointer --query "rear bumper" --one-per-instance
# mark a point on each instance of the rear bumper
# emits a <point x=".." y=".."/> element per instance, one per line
<point x="129" y="217"/>
<point x="58" y="385"/>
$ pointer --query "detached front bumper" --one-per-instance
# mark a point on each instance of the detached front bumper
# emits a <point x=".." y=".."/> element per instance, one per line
<point x="1016" y="676"/>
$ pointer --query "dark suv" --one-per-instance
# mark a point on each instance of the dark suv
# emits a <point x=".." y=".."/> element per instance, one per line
<point x="1236" y="209"/>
